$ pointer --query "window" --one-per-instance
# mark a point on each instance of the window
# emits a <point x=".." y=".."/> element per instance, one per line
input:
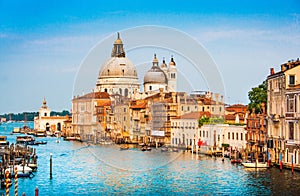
<point x="218" y="138"/>
<point x="200" y="133"/>
<point x="213" y="109"/>
<point x="176" y="141"/>
<point x="45" y="114"/>
<point x="229" y="135"/>
<point x="220" y="109"/>
<point x="233" y="136"/>
<point x="241" y="136"/>
<point x="124" y="118"/>
<point x="124" y="110"/>
<point x="150" y="88"/>
<point x="291" y="79"/>
<point x="188" y="108"/>
<point x="291" y="130"/>
<point x="203" y="133"/>
<point x="237" y="136"/>
<point x="202" y="109"/>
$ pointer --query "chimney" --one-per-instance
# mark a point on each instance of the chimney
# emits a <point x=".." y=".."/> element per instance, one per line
<point x="272" y="71"/>
<point x="217" y="98"/>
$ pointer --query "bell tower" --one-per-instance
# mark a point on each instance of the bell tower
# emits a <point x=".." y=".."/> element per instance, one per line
<point x="172" y="76"/>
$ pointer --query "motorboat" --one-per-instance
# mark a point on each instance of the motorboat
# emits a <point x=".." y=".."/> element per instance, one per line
<point x="23" y="170"/>
<point x="236" y="161"/>
<point x="124" y="147"/>
<point x="255" y="164"/>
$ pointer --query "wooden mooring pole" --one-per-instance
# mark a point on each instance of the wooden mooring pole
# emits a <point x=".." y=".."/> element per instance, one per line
<point x="50" y="165"/>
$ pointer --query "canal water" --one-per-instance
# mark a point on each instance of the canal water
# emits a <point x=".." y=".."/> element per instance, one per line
<point x="82" y="169"/>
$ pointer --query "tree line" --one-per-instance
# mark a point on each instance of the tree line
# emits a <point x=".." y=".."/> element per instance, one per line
<point x="29" y="116"/>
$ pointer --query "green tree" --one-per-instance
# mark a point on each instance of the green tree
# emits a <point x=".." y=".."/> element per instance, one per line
<point x="203" y="120"/>
<point x="257" y="96"/>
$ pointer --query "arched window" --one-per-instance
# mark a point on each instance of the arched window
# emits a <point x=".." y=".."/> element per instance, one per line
<point x="126" y="92"/>
<point x="58" y="127"/>
<point x="105" y="90"/>
<point x="108" y="72"/>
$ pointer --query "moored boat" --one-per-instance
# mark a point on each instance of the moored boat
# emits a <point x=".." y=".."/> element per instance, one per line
<point x="236" y="161"/>
<point x="255" y="164"/>
<point x="23" y="171"/>
<point x="124" y="147"/>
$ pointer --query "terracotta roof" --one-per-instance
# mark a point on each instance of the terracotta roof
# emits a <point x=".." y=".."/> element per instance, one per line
<point x="101" y="103"/>
<point x="139" y="105"/>
<point x="94" y="95"/>
<point x="233" y="116"/>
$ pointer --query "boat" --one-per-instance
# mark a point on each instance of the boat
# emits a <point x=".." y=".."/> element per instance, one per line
<point x="23" y="171"/>
<point x="124" y="147"/>
<point x="255" y="164"/>
<point x="40" y="133"/>
<point x="3" y="141"/>
<point x="148" y="148"/>
<point x="41" y="142"/>
<point x="24" y="139"/>
<point x="16" y="130"/>
<point x="174" y="149"/>
<point x="236" y="161"/>
<point x="164" y="149"/>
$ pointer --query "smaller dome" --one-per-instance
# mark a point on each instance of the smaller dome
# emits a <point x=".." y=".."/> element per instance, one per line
<point x="155" y="75"/>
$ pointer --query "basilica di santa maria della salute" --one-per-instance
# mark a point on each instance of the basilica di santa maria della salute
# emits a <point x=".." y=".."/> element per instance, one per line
<point x="116" y="110"/>
<point x="118" y="75"/>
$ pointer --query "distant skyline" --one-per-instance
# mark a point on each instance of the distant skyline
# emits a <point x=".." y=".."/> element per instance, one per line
<point x="43" y="43"/>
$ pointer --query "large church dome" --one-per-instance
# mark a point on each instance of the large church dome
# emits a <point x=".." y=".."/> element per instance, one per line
<point x="118" y="74"/>
<point x="118" y="67"/>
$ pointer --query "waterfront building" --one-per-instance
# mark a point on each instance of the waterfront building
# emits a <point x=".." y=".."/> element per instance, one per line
<point x="257" y="134"/>
<point x="219" y="135"/>
<point x="46" y="122"/>
<point x="283" y="112"/>
<point x="184" y="129"/>
<point x="121" y="113"/>
<point x="89" y="114"/>
<point x="236" y="114"/>
<point x="139" y="121"/>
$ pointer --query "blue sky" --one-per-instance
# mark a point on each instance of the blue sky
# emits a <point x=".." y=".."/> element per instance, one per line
<point x="42" y="43"/>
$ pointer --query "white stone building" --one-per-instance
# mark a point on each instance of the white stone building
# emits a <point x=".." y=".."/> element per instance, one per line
<point x="216" y="135"/>
<point x="45" y="122"/>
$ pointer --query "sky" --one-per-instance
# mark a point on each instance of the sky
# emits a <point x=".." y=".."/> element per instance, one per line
<point x="43" y="43"/>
